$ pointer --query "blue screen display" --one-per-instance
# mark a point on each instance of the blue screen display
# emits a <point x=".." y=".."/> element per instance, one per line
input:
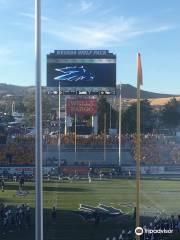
<point x="81" y="74"/>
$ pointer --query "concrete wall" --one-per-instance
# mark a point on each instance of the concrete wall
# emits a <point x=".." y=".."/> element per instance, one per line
<point x="88" y="155"/>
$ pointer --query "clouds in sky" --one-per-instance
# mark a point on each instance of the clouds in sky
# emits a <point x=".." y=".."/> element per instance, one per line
<point x="85" y="5"/>
<point x="104" y="30"/>
<point x="95" y="34"/>
<point x="123" y="27"/>
<point x="32" y="16"/>
<point x="91" y="25"/>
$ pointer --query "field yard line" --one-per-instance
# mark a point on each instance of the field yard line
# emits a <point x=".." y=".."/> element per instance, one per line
<point x="161" y="209"/>
<point x="55" y="195"/>
<point x="55" y="203"/>
<point x="56" y="192"/>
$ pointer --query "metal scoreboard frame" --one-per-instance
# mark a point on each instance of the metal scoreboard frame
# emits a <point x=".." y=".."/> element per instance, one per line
<point x="81" y="72"/>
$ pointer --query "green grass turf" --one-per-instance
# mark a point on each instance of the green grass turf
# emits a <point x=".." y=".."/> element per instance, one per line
<point x="157" y="197"/>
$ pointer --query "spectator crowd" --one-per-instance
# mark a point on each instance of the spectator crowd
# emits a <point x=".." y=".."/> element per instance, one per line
<point x="14" y="219"/>
<point x="156" y="149"/>
<point x="170" y="223"/>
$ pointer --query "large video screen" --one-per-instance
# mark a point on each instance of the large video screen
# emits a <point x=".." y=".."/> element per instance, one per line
<point x="80" y="71"/>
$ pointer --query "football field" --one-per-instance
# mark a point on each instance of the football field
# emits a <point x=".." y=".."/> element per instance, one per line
<point x="158" y="197"/>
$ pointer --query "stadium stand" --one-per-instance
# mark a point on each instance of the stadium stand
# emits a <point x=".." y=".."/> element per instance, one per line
<point x="156" y="149"/>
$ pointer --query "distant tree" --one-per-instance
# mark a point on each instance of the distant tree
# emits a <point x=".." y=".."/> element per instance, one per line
<point x="20" y="107"/>
<point x="129" y="118"/>
<point x="7" y="106"/>
<point x="46" y="107"/>
<point x="104" y="108"/>
<point x="6" y="118"/>
<point x="9" y="118"/>
<point x="171" y="114"/>
<point x="29" y="105"/>
<point x="2" y="107"/>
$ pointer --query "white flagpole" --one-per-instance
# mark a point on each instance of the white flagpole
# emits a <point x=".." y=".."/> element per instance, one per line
<point x="110" y="114"/>
<point x="38" y="118"/>
<point x="105" y="137"/>
<point x="75" y="139"/>
<point x="120" y="108"/>
<point x="59" y="136"/>
<point x="65" y="119"/>
<point x="75" y="131"/>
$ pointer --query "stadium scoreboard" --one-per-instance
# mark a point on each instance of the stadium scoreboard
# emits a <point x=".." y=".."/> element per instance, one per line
<point x="82" y="72"/>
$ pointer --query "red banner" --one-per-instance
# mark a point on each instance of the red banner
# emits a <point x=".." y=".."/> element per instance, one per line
<point x="74" y="170"/>
<point x="81" y="106"/>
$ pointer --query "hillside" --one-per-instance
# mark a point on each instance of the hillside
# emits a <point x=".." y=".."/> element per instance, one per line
<point x="161" y="101"/>
<point x="128" y="91"/>
<point x="11" y="89"/>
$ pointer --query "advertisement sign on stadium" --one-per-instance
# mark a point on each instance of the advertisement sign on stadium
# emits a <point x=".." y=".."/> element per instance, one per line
<point x="17" y="170"/>
<point x="81" y="106"/>
<point x="81" y="68"/>
<point x="73" y="170"/>
<point x="153" y="170"/>
<point x="146" y="169"/>
<point x="25" y="170"/>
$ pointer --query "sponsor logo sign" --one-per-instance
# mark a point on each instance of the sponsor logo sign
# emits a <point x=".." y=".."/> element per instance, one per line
<point x="81" y="106"/>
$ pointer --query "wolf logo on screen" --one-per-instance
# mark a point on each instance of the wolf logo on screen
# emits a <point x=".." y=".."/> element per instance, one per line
<point x="73" y="74"/>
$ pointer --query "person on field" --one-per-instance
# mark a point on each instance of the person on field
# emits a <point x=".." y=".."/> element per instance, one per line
<point x="28" y="216"/>
<point x="100" y="175"/>
<point x="178" y="223"/>
<point x="54" y="214"/>
<point x="21" y="183"/>
<point x="96" y="218"/>
<point x="14" y="178"/>
<point x="172" y="222"/>
<point x="134" y="214"/>
<point x="2" y="185"/>
<point x="49" y="177"/>
<point x="89" y="177"/>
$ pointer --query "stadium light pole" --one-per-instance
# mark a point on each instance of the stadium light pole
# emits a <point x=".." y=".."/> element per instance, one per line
<point x="59" y="136"/>
<point x="75" y="147"/>
<point x="120" y="118"/>
<point x="104" y="137"/>
<point x="75" y="131"/>
<point x="38" y="120"/>
<point x="65" y="120"/>
<point x="110" y="114"/>
<point x="13" y="108"/>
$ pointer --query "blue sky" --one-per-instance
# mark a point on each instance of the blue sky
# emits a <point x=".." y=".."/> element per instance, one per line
<point x="122" y="26"/>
